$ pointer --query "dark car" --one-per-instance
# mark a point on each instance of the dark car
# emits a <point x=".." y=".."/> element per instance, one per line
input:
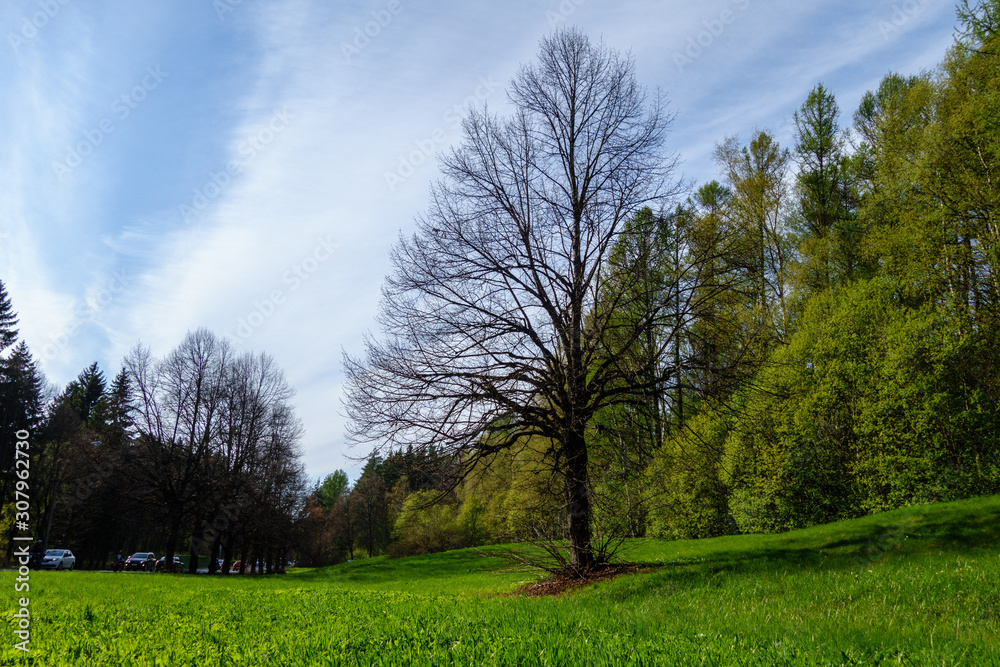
<point x="141" y="560"/>
<point x="161" y="565"/>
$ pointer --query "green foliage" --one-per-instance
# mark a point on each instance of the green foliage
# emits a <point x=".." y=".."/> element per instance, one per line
<point x="883" y="389"/>
<point x="929" y="427"/>
<point x="21" y="386"/>
<point x="686" y="497"/>
<point x="829" y="232"/>
<point x="83" y="393"/>
<point x="871" y="406"/>
<point x="519" y="496"/>
<point x="979" y="24"/>
<point x="756" y="175"/>
<point x="8" y="320"/>
<point x="426" y="524"/>
<point x="329" y="491"/>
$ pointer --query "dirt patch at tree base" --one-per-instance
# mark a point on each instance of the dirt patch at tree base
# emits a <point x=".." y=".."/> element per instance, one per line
<point x="558" y="585"/>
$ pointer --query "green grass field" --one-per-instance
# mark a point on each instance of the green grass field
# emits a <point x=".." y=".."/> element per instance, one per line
<point x="919" y="586"/>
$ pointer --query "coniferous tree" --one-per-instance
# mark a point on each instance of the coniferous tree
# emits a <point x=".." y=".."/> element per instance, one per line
<point x="21" y="405"/>
<point x="8" y="320"/>
<point x="21" y="409"/>
<point x="329" y="491"/>
<point x="758" y="209"/>
<point x="111" y="415"/>
<point x="828" y="228"/>
<point x="22" y="386"/>
<point x="85" y="392"/>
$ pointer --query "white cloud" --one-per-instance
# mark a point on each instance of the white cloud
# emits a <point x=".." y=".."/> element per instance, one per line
<point x="323" y="176"/>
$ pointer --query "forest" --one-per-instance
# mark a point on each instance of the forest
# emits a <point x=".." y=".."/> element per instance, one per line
<point x="813" y="336"/>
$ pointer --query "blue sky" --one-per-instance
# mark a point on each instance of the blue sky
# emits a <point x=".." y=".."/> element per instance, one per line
<point x="245" y="165"/>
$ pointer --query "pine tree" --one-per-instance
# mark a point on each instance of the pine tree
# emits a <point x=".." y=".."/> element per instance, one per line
<point x="85" y="391"/>
<point x="829" y="234"/>
<point x="21" y="407"/>
<point x="21" y="397"/>
<point x="756" y="176"/>
<point x="111" y="414"/>
<point x="8" y="320"/>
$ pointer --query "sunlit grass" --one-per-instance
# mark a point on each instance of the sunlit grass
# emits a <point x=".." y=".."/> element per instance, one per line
<point x="916" y="586"/>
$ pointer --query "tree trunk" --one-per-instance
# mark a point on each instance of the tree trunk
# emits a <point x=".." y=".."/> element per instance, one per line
<point x="227" y="559"/>
<point x="51" y="506"/>
<point x="578" y="503"/>
<point x="213" y="565"/>
<point x="171" y="548"/>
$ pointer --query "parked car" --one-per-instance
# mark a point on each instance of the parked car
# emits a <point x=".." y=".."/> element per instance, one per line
<point x="161" y="565"/>
<point x="236" y="566"/>
<point x="57" y="559"/>
<point x="141" y="560"/>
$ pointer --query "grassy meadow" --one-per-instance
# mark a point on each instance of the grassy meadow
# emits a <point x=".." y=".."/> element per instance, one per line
<point x="918" y="586"/>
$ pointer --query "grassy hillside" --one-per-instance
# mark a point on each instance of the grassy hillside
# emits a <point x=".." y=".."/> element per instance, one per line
<point x="915" y="586"/>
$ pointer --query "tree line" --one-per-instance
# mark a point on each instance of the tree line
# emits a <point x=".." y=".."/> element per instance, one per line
<point x="195" y="452"/>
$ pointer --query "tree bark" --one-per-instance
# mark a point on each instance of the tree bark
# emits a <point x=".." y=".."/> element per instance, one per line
<point x="213" y="565"/>
<point x="227" y="559"/>
<point x="578" y="507"/>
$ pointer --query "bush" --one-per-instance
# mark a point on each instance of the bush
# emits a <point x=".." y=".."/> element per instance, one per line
<point x="424" y="528"/>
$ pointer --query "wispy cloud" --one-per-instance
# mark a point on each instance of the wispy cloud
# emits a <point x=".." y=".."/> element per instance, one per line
<point x="302" y="164"/>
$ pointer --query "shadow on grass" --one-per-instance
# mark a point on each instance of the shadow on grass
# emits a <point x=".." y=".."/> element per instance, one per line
<point x="383" y="570"/>
<point x="961" y="527"/>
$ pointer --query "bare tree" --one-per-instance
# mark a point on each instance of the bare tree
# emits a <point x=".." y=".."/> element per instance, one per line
<point x="178" y="416"/>
<point x="492" y="333"/>
<point x="258" y="431"/>
<point x="217" y="431"/>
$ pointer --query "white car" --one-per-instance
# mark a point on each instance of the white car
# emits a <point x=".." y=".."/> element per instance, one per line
<point x="58" y="559"/>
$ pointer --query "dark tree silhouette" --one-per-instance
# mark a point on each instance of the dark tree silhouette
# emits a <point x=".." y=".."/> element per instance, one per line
<point x="8" y="320"/>
<point x="492" y="330"/>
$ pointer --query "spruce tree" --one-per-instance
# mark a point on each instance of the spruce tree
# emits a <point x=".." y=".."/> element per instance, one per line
<point x="8" y="320"/>
<point x="21" y="408"/>
<point x="85" y="391"/>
